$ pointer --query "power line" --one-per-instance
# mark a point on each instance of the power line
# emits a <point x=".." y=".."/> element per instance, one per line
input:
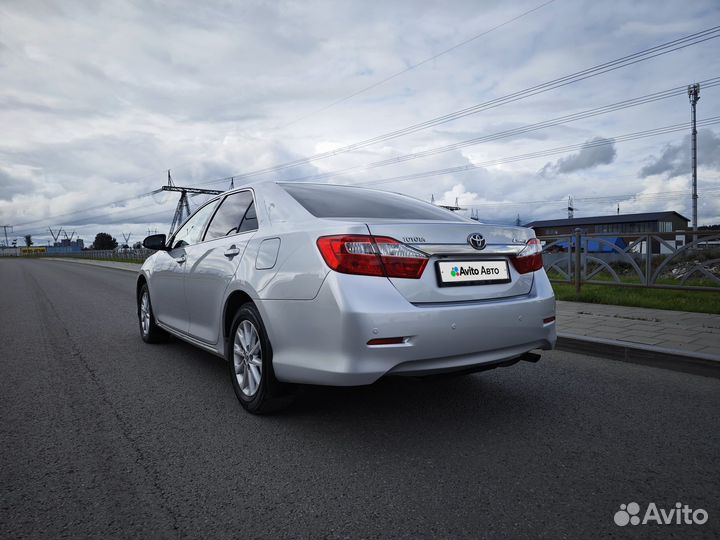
<point x="605" y="198"/>
<point x="104" y="205"/>
<point x="544" y="153"/>
<point x="84" y="220"/>
<point x="414" y="66"/>
<point x="87" y="219"/>
<point x="646" y="54"/>
<point x="625" y="61"/>
<point x="119" y="201"/>
<point x="464" y="168"/>
<point x="633" y="102"/>
<point x="97" y="207"/>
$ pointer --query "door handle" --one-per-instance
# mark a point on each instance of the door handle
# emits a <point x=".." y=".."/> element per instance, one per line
<point x="232" y="251"/>
<point x="181" y="259"/>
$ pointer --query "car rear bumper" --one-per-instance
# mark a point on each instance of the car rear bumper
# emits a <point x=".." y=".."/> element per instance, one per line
<point x="325" y="340"/>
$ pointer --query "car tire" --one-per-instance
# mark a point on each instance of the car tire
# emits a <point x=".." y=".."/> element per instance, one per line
<point x="150" y="332"/>
<point x="249" y="357"/>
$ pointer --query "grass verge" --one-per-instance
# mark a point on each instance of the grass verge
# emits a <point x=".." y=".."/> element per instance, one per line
<point x="696" y="301"/>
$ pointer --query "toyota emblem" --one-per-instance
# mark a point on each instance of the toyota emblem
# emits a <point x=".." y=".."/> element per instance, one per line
<point x="476" y="240"/>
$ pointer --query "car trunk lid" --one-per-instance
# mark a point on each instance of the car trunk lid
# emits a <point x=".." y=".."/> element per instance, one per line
<point x="449" y="242"/>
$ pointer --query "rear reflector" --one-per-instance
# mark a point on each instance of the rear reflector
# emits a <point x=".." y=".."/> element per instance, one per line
<point x="387" y="341"/>
<point x="372" y="256"/>
<point x="530" y="258"/>
<point x="548" y="320"/>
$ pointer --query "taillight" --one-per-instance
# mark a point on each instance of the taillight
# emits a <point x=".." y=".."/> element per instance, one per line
<point x="372" y="256"/>
<point x="530" y="258"/>
<point x="400" y="260"/>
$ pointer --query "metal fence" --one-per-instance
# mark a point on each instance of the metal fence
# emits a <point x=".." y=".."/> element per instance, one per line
<point x="684" y="261"/>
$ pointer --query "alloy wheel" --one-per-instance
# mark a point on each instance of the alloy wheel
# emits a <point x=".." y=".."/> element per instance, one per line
<point x="145" y="313"/>
<point x="247" y="357"/>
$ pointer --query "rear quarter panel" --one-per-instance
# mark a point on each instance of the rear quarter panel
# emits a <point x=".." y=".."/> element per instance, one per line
<point x="300" y="269"/>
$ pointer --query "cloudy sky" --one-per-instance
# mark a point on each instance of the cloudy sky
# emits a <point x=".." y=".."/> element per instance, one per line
<point x="99" y="99"/>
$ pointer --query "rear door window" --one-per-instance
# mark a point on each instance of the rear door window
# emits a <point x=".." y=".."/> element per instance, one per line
<point x="328" y="201"/>
<point x="229" y="217"/>
<point x="191" y="232"/>
<point x="250" y="221"/>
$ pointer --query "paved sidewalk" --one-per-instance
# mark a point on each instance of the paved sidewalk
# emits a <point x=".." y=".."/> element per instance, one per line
<point x="678" y="331"/>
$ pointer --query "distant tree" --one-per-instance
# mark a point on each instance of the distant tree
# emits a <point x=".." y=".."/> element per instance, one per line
<point x="715" y="227"/>
<point x="28" y="240"/>
<point x="104" y="241"/>
<point x="137" y="245"/>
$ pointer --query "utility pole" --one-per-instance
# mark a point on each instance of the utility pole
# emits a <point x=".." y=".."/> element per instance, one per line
<point x="6" y="227"/>
<point x="56" y="235"/>
<point x="183" y="207"/>
<point x="694" y="95"/>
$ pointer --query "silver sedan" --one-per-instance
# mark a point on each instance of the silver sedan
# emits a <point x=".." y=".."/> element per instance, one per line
<point x="299" y="283"/>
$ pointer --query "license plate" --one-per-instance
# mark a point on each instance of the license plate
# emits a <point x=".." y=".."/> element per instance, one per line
<point x="472" y="272"/>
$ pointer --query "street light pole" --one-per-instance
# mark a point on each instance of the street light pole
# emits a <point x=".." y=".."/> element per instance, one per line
<point x="6" y="227"/>
<point x="694" y="95"/>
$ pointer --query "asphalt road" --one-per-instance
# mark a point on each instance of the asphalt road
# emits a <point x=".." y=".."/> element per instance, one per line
<point x="104" y="436"/>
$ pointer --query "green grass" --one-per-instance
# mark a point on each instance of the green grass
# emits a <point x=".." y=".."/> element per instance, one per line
<point x="697" y="301"/>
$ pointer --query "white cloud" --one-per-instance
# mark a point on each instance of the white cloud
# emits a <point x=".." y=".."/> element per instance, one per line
<point x="99" y="99"/>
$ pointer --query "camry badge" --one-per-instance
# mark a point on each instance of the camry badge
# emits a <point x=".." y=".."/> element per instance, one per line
<point x="476" y="240"/>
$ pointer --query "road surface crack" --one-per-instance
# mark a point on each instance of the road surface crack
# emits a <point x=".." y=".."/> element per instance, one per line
<point x="125" y="427"/>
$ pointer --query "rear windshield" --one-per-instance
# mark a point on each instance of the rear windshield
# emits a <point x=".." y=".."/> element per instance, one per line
<point x="330" y="201"/>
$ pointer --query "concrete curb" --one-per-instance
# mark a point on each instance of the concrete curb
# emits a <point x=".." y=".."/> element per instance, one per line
<point x="126" y="267"/>
<point x="646" y="355"/>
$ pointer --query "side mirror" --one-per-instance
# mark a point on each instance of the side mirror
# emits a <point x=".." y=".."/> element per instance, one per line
<point x="156" y="242"/>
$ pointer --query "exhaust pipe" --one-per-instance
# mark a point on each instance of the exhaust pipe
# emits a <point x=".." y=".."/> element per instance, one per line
<point x="530" y="357"/>
<point x="441" y="374"/>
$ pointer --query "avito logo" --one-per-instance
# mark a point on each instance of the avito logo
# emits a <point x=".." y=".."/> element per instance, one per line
<point x="470" y="271"/>
<point x="680" y="515"/>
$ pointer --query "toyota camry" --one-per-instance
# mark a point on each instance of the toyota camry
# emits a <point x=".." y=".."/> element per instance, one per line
<point x="298" y="283"/>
